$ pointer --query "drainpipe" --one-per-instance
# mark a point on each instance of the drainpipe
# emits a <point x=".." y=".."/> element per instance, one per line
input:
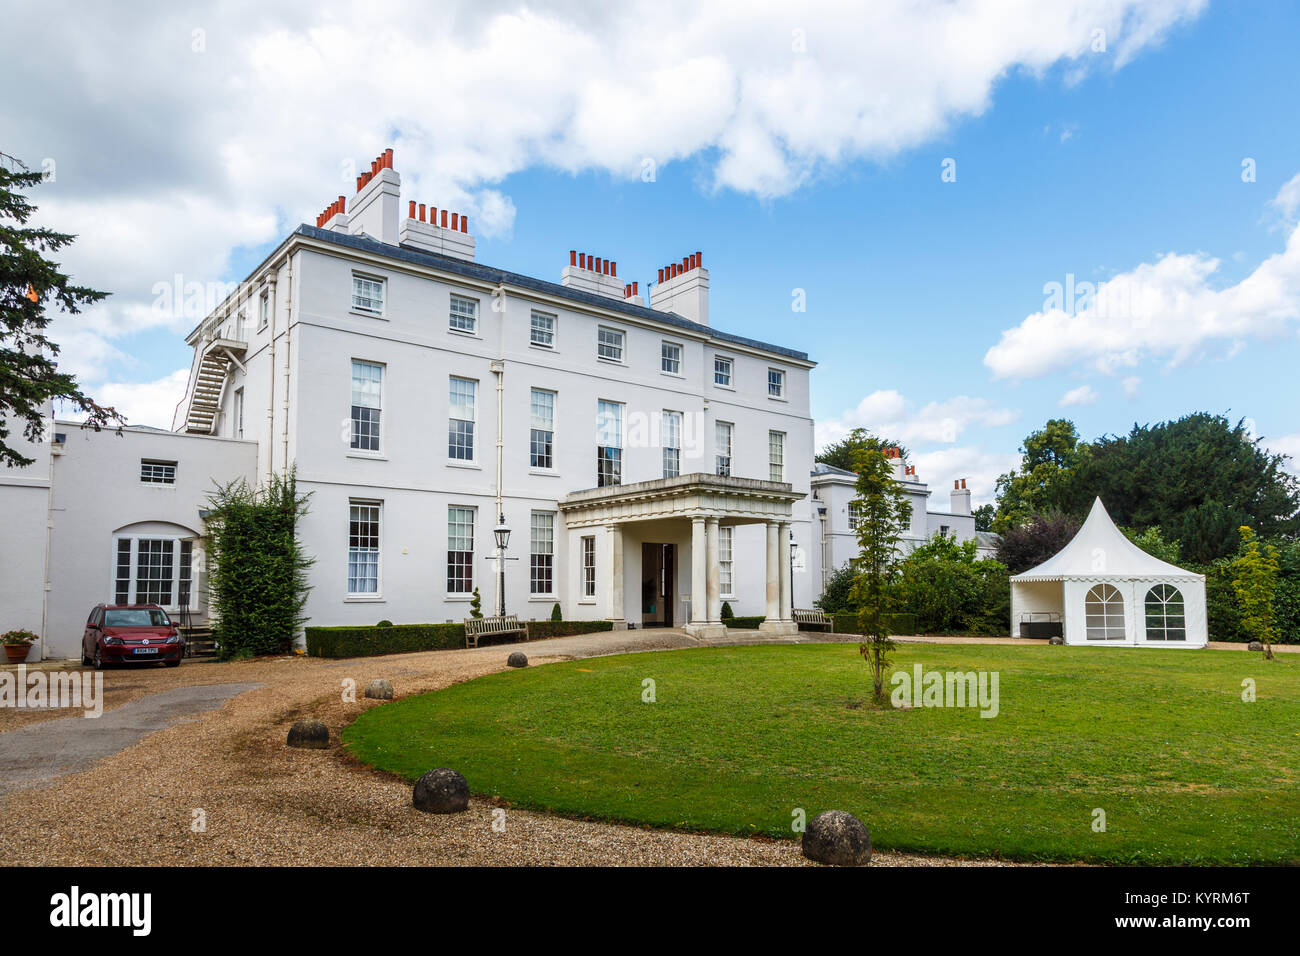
<point x="288" y="351"/>
<point x="270" y="398"/>
<point x="49" y="528"/>
<point x="499" y="370"/>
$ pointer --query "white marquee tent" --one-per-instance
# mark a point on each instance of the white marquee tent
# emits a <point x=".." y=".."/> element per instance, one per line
<point x="1102" y="589"/>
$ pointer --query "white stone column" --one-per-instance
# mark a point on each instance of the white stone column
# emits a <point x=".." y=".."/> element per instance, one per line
<point x="699" y="605"/>
<point x="779" y="619"/>
<point x="773" y="611"/>
<point x="713" y="572"/>
<point x="616" y="577"/>
<point x="787" y="597"/>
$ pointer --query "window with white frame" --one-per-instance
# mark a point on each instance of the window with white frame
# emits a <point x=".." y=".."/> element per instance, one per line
<point x="855" y="515"/>
<point x="670" y="358"/>
<point x="541" y="433"/>
<point x="363" y="547"/>
<point x="264" y="311"/>
<point x="541" y="331"/>
<point x="367" y="395"/>
<point x="239" y="413"/>
<point x="460" y="425"/>
<point x="157" y="472"/>
<point x="609" y="344"/>
<point x="776" y="456"/>
<point x="670" y="437"/>
<point x="541" y="554"/>
<point x="464" y="314"/>
<point x="775" y="383"/>
<point x="367" y="294"/>
<point x="1166" y="618"/>
<point x="588" y="566"/>
<point x="1103" y="611"/>
<point x="460" y="550"/>
<point x="726" y="552"/>
<point x="241" y="326"/>
<point x="722" y="371"/>
<point x="150" y="570"/>
<point x="609" y="443"/>
<point x="722" y="437"/>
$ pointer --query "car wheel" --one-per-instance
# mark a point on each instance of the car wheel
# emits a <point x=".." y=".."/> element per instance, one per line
<point x="85" y="661"/>
<point x="99" y="660"/>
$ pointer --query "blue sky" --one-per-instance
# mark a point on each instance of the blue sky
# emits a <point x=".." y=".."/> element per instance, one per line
<point x="910" y="280"/>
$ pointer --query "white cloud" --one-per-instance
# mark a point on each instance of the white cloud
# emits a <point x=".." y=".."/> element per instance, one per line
<point x="173" y="147"/>
<point x="1083" y="395"/>
<point x="1131" y="384"/>
<point x="1287" y="201"/>
<point x="888" y="414"/>
<point x="980" y="468"/>
<point x="146" y="403"/>
<point x="1167" y="309"/>
<point x="1286" y="445"/>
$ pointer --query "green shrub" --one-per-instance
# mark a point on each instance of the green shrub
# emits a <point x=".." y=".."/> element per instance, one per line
<point x="949" y="591"/>
<point x="727" y="612"/>
<point x="384" y="623"/>
<point x="540" y="630"/>
<point x="743" y="623"/>
<point x="835" y="596"/>
<point x="368" y="641"/>
<point x="476" y="606"/>
<point x="257" y="577"/>
<point x="556" y="613"/>
<point x="846" y="622"/>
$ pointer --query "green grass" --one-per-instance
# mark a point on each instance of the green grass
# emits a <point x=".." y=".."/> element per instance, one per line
<point x="739" y="737"/>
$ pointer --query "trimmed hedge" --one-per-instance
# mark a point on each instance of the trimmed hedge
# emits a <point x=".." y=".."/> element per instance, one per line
<point x="744" y="623"/>
<point x="846" y="622"/>
<point x="540" y="630"/>
<point x="368" y="641"/>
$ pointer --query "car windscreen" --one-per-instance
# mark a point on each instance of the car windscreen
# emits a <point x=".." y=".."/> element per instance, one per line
<point x="135" y="617"/>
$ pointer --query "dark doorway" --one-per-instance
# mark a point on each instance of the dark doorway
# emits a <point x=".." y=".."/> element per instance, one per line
<point x="657" y="585"/>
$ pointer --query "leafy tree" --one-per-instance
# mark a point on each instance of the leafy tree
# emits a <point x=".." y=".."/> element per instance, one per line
<point x="842" y="453"/>
<point x="257" y="569"/>
<point x="1037" y="539"/>
<point x="948" y="590"/>
<point x="1153" y="542"/>
<point x="837" y="593"/>
<point x="883" y="515"/>
<point x="1046" y="479"/>
<point x="1198" y="478"/>
<point x="29" y="376"/>
<point x="1254" y="580"/>
<point x="984" y="517"/>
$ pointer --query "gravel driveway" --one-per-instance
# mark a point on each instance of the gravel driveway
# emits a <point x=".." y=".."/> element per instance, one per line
<point x="222" y="788"/>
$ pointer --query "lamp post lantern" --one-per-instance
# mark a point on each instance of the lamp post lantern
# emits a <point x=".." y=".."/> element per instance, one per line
<point x="502" y="534"/>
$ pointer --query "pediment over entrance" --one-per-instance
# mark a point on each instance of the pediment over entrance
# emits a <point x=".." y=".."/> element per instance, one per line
<point x="731" y="500"/>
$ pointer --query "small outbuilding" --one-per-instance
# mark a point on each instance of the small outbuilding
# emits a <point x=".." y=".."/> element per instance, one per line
<point x="1102" y="589"/>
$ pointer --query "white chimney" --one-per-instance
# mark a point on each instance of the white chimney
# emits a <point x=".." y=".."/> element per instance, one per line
<point x="592" y="274"/>
<point x="448" y="236"/>
<point x="960" y="497"/>
<point x="683" y="287"/>
<point x="375" y="208"/>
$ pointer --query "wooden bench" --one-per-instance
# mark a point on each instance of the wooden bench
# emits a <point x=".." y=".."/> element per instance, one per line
<point x="815" y="618"/>
<point x="476" y="627"/>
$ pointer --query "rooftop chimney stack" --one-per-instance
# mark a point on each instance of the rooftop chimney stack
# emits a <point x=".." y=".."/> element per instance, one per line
<point x="683" y="288"/>
<point x="960" y="498"/>
<point x="451" y="238"/>
<point x="593" y="274"/>
<point x="376" y="208"/>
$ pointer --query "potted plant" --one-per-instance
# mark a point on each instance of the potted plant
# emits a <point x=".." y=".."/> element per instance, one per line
<point x="17" y="643"/>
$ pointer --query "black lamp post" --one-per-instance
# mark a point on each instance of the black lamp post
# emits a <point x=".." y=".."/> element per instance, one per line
<point x="502" y="534"/>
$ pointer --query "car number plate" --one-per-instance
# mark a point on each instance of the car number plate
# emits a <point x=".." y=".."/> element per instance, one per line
<point x="146" y="650"/>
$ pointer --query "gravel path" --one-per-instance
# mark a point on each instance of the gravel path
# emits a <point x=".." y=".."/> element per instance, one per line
<point x="223" y="789"/>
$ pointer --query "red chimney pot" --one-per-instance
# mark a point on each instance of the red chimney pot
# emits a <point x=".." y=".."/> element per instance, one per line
<point x="573" y="257"/>
<point x="661" y="274"/>
<point x="444" y="219"/>
<point x="634" y="292"/>
<point x="455" y="222"/>
<point x="464" y="223"/>
<point x="613" y="269"/>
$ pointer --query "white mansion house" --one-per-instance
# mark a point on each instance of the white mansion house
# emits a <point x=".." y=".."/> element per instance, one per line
<point x="649" y="466"/>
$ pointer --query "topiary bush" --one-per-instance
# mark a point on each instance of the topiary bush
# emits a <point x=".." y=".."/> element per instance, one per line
<point x="384" y="623"/>
<point x="540" y="630"/>
<point x="727" y="613"/>
<point x="556" y="614"/>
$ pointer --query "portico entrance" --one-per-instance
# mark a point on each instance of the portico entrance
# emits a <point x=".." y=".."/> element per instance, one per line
<point x="690" y="509"/>
<point x="657" y="584"/>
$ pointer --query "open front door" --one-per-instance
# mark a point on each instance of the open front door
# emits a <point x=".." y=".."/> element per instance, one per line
<point x="657" y="568"/>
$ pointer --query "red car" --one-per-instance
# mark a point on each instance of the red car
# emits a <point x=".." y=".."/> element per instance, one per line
<point x="131" y="634"/>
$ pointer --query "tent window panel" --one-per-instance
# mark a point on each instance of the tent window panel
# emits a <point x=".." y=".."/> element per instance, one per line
<point x="1104" y="614"/>
<point x="1165" y="615"/>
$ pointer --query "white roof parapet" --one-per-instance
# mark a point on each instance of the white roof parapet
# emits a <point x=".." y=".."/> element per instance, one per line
<point x="1100" y="551"/>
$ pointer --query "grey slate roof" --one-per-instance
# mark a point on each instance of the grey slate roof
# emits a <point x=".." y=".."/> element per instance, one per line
<point x="821" y="468"/>
<point x="483" y="273"/>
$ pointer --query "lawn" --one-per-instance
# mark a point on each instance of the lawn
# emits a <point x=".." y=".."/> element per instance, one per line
<point x="739" y="738"/>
